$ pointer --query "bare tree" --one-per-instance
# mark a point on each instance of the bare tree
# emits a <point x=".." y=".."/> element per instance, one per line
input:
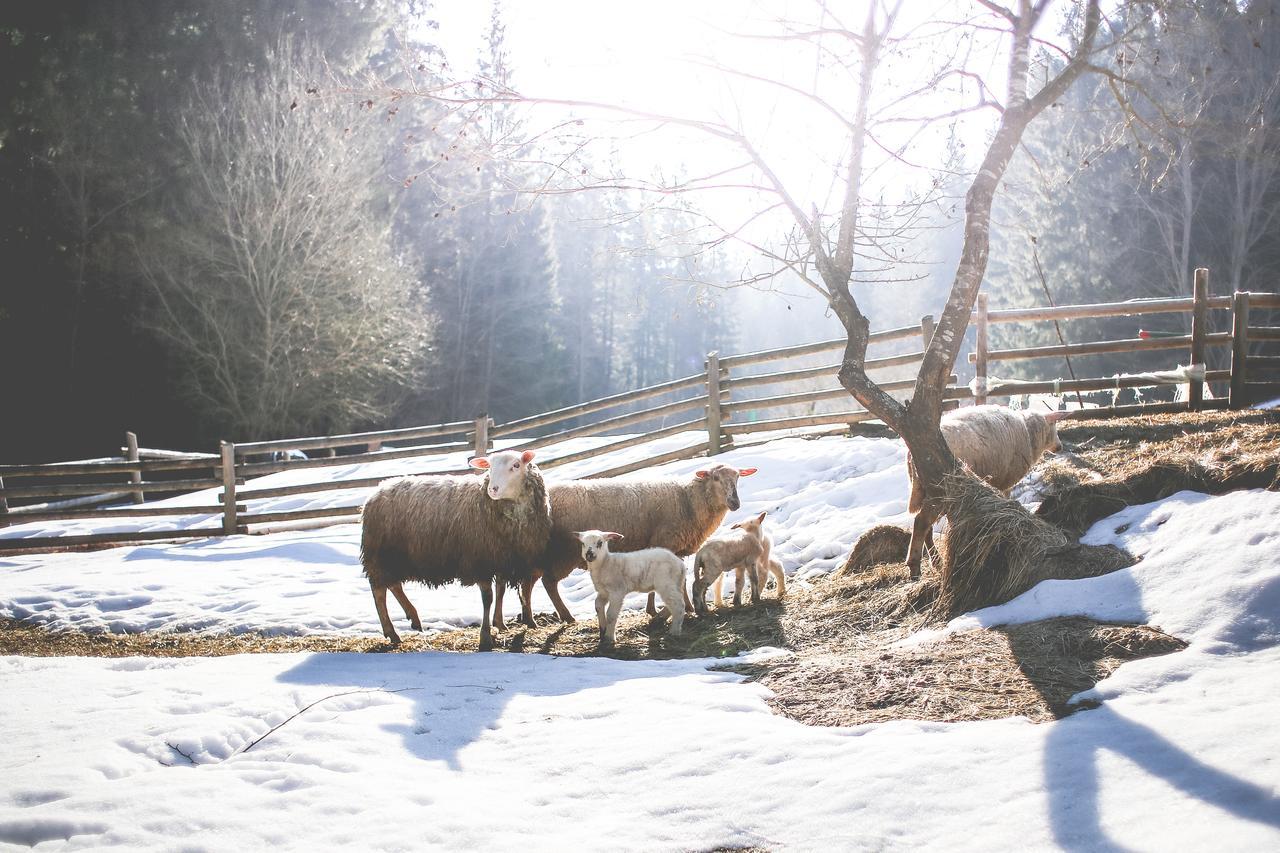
<point x="274" y="275"/>
<point x="829" y="251"/>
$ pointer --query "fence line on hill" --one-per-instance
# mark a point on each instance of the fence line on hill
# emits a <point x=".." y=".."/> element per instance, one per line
<point x="731" y="417"/>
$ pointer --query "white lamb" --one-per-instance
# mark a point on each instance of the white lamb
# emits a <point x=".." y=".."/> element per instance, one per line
<point x="765" y="566"/>
<point x="614" y="575"/>
<point x="741" y="548"/>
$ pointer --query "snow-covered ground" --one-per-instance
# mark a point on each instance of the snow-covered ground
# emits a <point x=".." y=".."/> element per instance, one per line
<point x="460" y="751"/>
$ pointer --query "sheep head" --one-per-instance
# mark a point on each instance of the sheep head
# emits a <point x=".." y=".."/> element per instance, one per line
<point x="723" y="481"/>
<point x="752" y="526"/>
<point x="507" y="469"/>
<point x="595" y="544"/>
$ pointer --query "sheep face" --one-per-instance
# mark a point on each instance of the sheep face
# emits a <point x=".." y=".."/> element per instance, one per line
<point x="595" y="544"/>
<point x="506" y="473"/>
<point x="1044" y="431"/>
<point x="751" y="525"/>
<point x="723" y="481"/>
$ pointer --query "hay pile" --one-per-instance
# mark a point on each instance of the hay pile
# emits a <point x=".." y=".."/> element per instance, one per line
<point x="1121" y="463"/>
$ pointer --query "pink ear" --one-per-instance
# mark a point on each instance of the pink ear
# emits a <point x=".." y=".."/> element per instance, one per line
<point x="527" y="456"/>
<point x="614" y="537"/>
<point x="702" y="475"/>
<point x="760" y="518"/>
<point x="1054" y="417"/>
<point x="747" y="472"/>
<point x="480" y="462"/>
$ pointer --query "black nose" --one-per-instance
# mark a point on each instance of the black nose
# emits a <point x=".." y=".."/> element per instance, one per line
<point x="591" y="555"/>
<point x="733" y="503"/>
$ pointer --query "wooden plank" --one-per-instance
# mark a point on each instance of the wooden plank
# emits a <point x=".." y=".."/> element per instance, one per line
<point x="146" y="466"/>
<point x="816" y="372"/>
<point x="106" y="513"/>
<point x="611" y="423"/>
<point x="353" y="438"/>
<point x="258" y="469"/>
<point x="481" y="434"/>
<point x="1264" y="300"/>
<point x="1106" y="383"/>
<point x="131" y="453"/>
<point x="1101" y="309"/>
<point x="1239" y="349"/>
<point x="65" y="489"/>
<point x="629" y="441"/>
<point x="714" y="404"/>
<point x="981" y="321"/>
<point x="809" y="397"/>
<point x="682" y="453"/>
<point x="299" y="514"/>
<point x="593" y="406"/>
<point x="62" y="543"/>
<point x="1263" y="362"/>
<point x="228" y="488"/>
<point x="1099" y="347"/>
<point x="334" y="485"/>
<point x="832" y="345"/>
<point x="1104" y="412"/>
<point x="851" y="416"/>
<point x="1256" y="333"/>
<point x="1199" y="330"/>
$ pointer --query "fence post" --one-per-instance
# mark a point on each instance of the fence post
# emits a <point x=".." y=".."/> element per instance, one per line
<point x="228" y="488"/>
<point x="4" y="505"/>
<point x="1239" y="348"/>
<point x="1199" y="328"/>
<point x="135" y="476"/>
<point x="980" y="355"/>
<point x="482" y="434"/>
<point x="713" y="403"/>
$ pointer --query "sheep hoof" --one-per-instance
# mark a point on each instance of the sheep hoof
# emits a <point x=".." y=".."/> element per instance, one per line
<point x="528" y="623"/>
<point x="568" y="620"/>
<point x="415" y="625"/>
<point x="393" y="638"/>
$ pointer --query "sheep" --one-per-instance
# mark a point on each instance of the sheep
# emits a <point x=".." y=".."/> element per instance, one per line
<point x="614" y="575"/>
<point x="666" y="513"/>
<point x="998" y="444"/>
<point x="437" y="529"/>
<point x="740" y="548"/>
<point x="767" y="565"/>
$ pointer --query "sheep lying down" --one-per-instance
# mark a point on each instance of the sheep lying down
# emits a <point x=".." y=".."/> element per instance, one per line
<point x="614" y="575"/>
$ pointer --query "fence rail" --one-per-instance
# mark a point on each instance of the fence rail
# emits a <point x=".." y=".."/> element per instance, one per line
<point x="720" y="394"/>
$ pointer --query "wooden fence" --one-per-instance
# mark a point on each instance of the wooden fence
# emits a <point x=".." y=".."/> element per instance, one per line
<point x="735" y="397"/>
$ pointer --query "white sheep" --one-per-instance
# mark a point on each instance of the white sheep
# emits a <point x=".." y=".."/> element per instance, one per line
<point x="765" y="566"/>
<point x="740" y="548"/>
<point x="614" y="575"/>
<point x="998" y="444"/>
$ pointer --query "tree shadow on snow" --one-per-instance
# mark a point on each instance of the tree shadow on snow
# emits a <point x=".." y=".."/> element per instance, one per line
<point x="1073" y="779"/>
<point x="457" y="697"/>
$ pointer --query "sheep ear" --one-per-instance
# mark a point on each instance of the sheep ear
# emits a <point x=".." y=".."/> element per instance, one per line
<point x="577" y="536"/>
<point x="1054" y="417"/>
<point x="702" y="475"/>
<point x="760" y="518"/>
<point x="614" y="537"/>
<point x="527" y="456"/>
<point x="480" y="463"/>
<point x="747" y="472"/>
<point x="737" y="526"/>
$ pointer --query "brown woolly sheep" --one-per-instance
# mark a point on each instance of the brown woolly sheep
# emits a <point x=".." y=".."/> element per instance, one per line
<point x="998" y="444"/>
<point x="669" y="513"/>
<point x="437" y="529"/>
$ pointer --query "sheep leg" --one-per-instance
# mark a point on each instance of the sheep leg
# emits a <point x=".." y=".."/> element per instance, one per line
<point x="526" y="602"/>
<point x="675" y="605"/>
<point x="409" y="610"/>
<point x="921" y="533"/>
<point x="611" y="618"/>
<point x="754" y="576"/>
<point x="486" y="598"/>
<point x="380" y="604"/>
<point x="717" y="591"/>
<point x="601" y="603"/>
<point x="737" y="587"/>
<point x="499" y="623"/>
<point x="781" y="578"/>
<point x="552" y="586"/>
<point x="650" y="607"/>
